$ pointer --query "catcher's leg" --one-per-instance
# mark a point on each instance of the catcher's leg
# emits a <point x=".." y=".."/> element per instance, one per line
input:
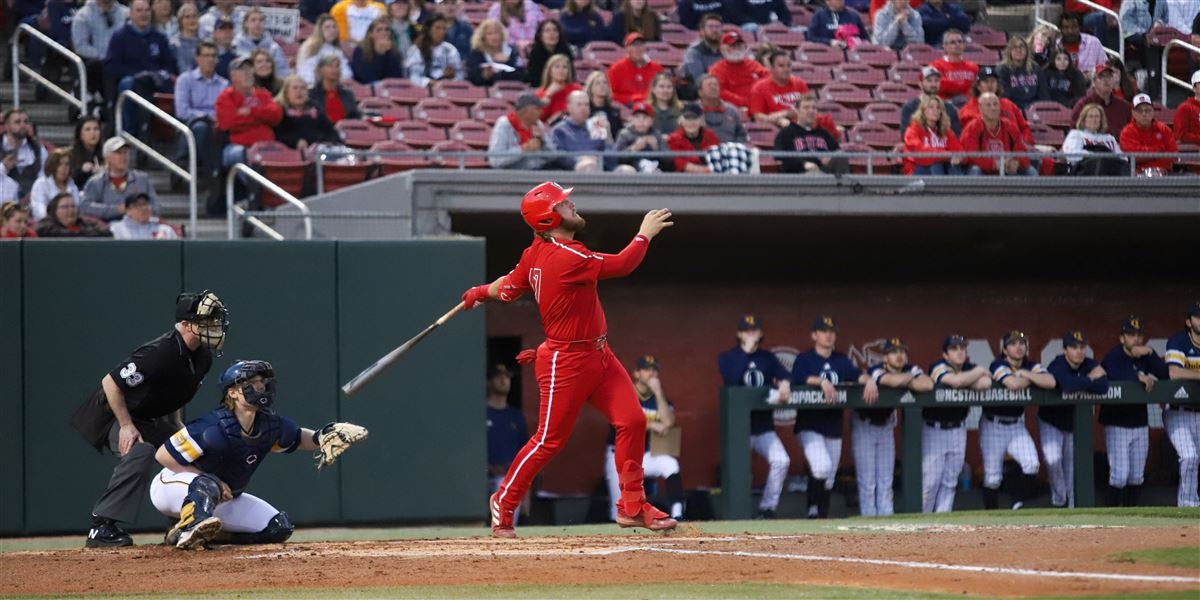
<point x="197" y="523"/>
<point x="278" y="529"/>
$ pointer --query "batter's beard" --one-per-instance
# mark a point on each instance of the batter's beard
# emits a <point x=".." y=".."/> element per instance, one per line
<point x="574" y="224"/>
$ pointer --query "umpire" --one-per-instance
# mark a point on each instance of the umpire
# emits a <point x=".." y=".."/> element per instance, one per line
<point x="138" y="407"/>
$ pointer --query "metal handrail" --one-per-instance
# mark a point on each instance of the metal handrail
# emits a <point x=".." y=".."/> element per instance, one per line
<point x="1119" y="53"/>
<point x="231" y="208"/>
<point x="18" y="68"/>
<point x="1168" y="77"/>
<point x="190" y="174"/>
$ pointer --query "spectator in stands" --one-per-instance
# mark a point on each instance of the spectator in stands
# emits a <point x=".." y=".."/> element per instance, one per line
<point x="196" y="93"/>
<point x="24" y="156"/>
<point x="140" y="59"/>
<point x="1126" y="85"/>
<point x="355" y="18"/>
<point x="579" y="132"/>
<point x="139" y="224"/>
<point x="755" y="13"/>
<point x="989" y="84"/>
<point x="877" y="5"/>
<point x="86" y="157"/>
<point x="264" y="71"/>
<point x="517" y="132"/>
<point x="994" y="132"/>
<point x="187" y="38"/>
<point x="506" y="428"/>
<point x="334" y="100"/>
<point x="737" y="71"/>
<point x="1117" y="111"/>
<point x="432" y="58"/>
<point x="600" y="100"/>
<point x="1180" y="15"/>
<point x="664" y="104"/>
<point x="630" y="77"/>
<point x="304" y="122"/>
<point x="221" y="10"/>
<point x="641" y="136"/>
<point x="14" y="221"/>
<point x="104" y="194"/>
<point x="828" y="21"/>
<point x="522" y="18"/>
<point x="311" y="10"/>
<point x="931" y="82"/>
<point x="91" y="32"/>
<point x="55" y="180"/>
<point x="958" y="73"/>
<point x="162" y="19"/>
<point x="1060" y="81"/>
<point x="705" y="51"/>
<point x="1017" y="73"/>
<point x="1043" y="42"/>
<point x="402" y="28"/>
<point x="247" y="113"/>
<point x="63" y="220"/>
<point x="375" y="57"/>
<point x="693" y="12"/>
<point x="720" y="117"/>
<point x="1187" y="115"/>
<point x="637" y="16"/>
<point x="223" y="37"/>
<point x="557" y="81"/>
<point x="938" y="17"/>
<point x="930" y="132"/>
<point x="548" y="42"/>
<point x="1095" y="22"/>
<point x="491" y="58"/>
<point x="324" y="41"/>
<point x="582" y="23"/>
<point x="773" y="99"/>
<point x="254" y="36"/>
<point x="1091" y="137"/>
<point x="804" y="135"/>
<point x="691" y="136"/>
<point x="52" y="18"/>
<point x="458" y="30"/>
<point x="897" y="25"/>
<point x="1136" y="22"/>
<point x="1086" y="49"/>
<point x="1147" y="134"/>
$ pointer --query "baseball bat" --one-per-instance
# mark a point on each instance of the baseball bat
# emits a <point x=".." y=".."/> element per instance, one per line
<point x="360" y="381"/>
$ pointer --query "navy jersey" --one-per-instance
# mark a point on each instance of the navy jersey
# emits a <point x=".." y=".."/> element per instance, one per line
<point x="837" y="369"/>
<point x="1181" y="352"/>
<point x="1001" y="370"/>
<point x="1121" y="367"/>
<point x="1070" y="380"/>
<point x="947" y="414"/>
<point x="760" y="368"/>
<point x="506" y="434"/>
<point x="650" y="409"/>
<point x="216" y="444"/>
<point x="878" y="416"/>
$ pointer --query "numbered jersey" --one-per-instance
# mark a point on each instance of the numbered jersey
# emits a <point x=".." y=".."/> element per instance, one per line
<point x="161" y="376"/>
<point x="216" y="444"/>
<point x="1181" y="352"/>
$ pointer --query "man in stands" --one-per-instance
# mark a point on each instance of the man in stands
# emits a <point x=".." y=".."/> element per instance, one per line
<point x="1187" y="115"/>
<point x="992" y="132"/>
<point x="247" y="113"/>
<point x="938" y="17"/>
<point x="1147" y="134"/>
<point x="579" y="133"/>
<point x="806" y="136"/>
<point x="825" y="23"/>
<point x="518" y="132"/>
<point x="720" y="117"/>
<point x="692" y="13"/>
<point x="1086" y="49"/>
<point x="196" y="94"/>
<point x="737" y="70"/>
<point x="354" y="17"/>
<point x="773" y="99"/>
<point x="931" y="82"/>
<point x="755" y="13"/>
<point x="958" y="73"/>
<point x="705" y="51"/>
<point x="22" y="153"/>
<point x="1116" y="110"/>
<point x="221" y="10"/>
<point x="91" y="32"/>
<point x="104" y="194"/>
<point x="139" y="58"/>
<point x="223" y="39"/>
<point x="630" y="77"/>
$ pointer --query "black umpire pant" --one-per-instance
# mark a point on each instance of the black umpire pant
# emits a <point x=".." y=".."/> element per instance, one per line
<point x="129" y="485"/>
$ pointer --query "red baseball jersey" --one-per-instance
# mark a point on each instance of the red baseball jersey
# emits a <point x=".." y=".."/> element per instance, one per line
<point x="957" y="77"/>
<point x="768" y="97"/>
<point x="562" y="274"/>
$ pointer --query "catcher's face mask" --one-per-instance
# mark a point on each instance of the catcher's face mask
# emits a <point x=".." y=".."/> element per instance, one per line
<point x="259" y="391"/>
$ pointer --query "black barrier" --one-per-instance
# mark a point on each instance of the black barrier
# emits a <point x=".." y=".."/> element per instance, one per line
<point x="12" y="434"/>
<point x="738" y="402"/>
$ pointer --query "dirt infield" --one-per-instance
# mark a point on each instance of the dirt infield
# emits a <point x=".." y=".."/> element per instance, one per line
<point x="992" y="560"/>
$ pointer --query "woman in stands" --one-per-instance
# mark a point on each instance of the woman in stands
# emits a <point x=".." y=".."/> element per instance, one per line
<point x="62" y="220"/>
<point x="548" y="42"/>
<point x="1090" y="148"/>
<point x="86" y="157"/>
<point x="329" y="95"/>
<point x="187" y="37"/>
<point x="1126" y="84"/>
<point x="254" y="36"/>
<point x="491" y="58"/>
<point x="1060" y="81"/>
<point x="664" y="99"/>
<point x="265" y="75"/>
<point x="1043" y="41"/>
<point x="14" y="221"/>
<point x="162" y="19"/>
<point x="400" y="14"/>
<point x="376" y="57"/>
<point x="930" y="131"/>
<point x="582" y="23"/>
<point x="636" y="15"/>
<point x="55" y="180"/>
<point x="599" y="94"/>
<point x="304" y="122"/>
<point x="432" y="58"/>
<point x="324" y="41"/>
<point x="521" y="17"/>
<point x="558" y="81"/>
<point x="1018" y="75"/>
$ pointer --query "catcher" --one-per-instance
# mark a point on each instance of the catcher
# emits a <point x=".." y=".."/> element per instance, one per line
<point x="209" y="463"/>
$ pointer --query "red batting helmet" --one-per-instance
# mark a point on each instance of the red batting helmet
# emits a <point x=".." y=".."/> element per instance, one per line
<point x="537" y="207"/>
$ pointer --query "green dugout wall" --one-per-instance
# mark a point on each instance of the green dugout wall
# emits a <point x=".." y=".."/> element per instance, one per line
<point x="319" y="311"/>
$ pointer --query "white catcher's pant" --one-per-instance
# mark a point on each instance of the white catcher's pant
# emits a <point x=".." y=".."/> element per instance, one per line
<point x="1183" y="428"/>
<point x="1127" y="451"/>
<point x="874" y="449"/>
<point x="769" y="446"/>
<point x="1058" y="447"/>
<point x="996" y="439"/>
<point x="244" y="514"/>
<point x="824" y="454"/>
<point x="942" y="454"/>
<point x="653" y="467"/>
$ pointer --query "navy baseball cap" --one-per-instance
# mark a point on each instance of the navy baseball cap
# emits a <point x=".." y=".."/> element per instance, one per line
<point x="894" y="344"/>
<point x="647" y="362"/>
<point x="954" y="341"/>
<point x="987" y="72"/>
<point x="1074" y="337"/>
<point x="749" y="322"/>
<point x="1015" y="336"/>
<point x="1194" y="310"/>
<point x="1131" y="324"/>
<point x="824" y="323"/>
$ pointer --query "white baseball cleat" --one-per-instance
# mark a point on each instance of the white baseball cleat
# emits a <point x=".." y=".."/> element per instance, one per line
<point x="199" y="534"/>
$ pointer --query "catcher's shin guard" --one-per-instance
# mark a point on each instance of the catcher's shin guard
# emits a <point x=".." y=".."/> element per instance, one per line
<point x="278" y="530"/>
<point x="632" y="508"/>
<point x="197" y="524"/>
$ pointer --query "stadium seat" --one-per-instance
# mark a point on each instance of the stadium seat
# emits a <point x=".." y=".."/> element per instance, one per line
<point x="906" y="73"/>
<point x="871" y="54"/>
<point x="358" y="133"/>
<point x="1045" y="135"/>
<point x="383" y="107"/>
<point x="603" y="52"/>
<point x="471" y="133"/>
<point x="440" y="113"/>
<point x="453" y="162"/>
<point x="360" y="90"/>
<point x="583" y="68"/>
<point x="840" y="113"/>
<point x="662" y="7"/>
<point x="508" y="90"/>
<point x="875" y="135"/>
<point x="1165" y="115"/>
<point x="767" y="164"/>
<point x="284" y="166"/>
<point x="761" y="135"/>
<point x="987" y="37"/>
<point x="459" y="92"/>
<point x="417" y="134"/>
<point x="664" y="54"/>
<point x="781" y="35"/>
<point x="921" y="54"/>
<point x="884" y="113"/>
<point x="677" y="35"/>
<point x="859" y="74"/>
<point x="984" y="57"/>
<point x="490" y="109"/>
<point x="880" y="163"/>
<point x="346" y="172"/>
<point x="815" y="76"/>
<point x="897" y="93"/>
<point x="818" y="54"/>
<point x="847" y="94"/>
<point x="400" y="91"/>
<point x="1191" y="164"/>
<point x="160" y="129"/>
<point x="1050" y="113"/>
<point x="396" y="164"/>
<point x="475" y="13"/>
<point x="801" y="16"/>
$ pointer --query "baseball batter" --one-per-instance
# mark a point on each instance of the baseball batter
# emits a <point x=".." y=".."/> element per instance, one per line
<point x="874" y="440"/>
<point x="749" y="365"/>
<point x="574" y="365"/>
<point x="944" y="438"/>
<point x="1182" y="421"/>
<point x="1002" y="428"/>
<point x="1073" y="371"/>
<point x="208" y="463"/>
<point x="1126" y="426"/>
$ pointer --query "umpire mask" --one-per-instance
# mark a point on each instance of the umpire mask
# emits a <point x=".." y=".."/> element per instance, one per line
<point x="207" y="316"/>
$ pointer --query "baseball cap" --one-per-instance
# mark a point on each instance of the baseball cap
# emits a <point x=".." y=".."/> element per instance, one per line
<point x="692" y="110"/>
<point x="241" y="61"/>
<point x="1104" y="67"/>
<point x="1015" y="336"/>
<point x="499" y="368"/>
<point x="987" y="72"/>
<point x="894" y="344"/>
<point x="824" y="323"/>
<point x="1141" y="99"/>
<point x="1194" y="310"/>
<point x="1074" y="337"/>
<point x="528" y="99"/>
<point x="749" y="322"/>
<point x="954" y="341"/>
<point x="634" y="37"/>
<point x="223" y="23"/>
<point x="647" y="362"/>
<point x="929" y="72"/>
<point x="642" y="107"/>
<point x="135" y="198"/>
<point x="1196" y="77"/>
<point x="1131" y="324"/>
<point x="114" y="143"/>
<point x="732" y="38"/>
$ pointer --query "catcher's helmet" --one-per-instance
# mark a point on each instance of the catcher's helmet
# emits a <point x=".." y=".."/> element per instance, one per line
<point x="537" y="207"/>
<point x="241" y="372"/>
<point x="209" y="314"/>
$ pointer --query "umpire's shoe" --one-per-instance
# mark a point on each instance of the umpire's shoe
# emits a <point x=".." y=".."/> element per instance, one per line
<point x="105" y="533"/>
<point x="199" y="533"/>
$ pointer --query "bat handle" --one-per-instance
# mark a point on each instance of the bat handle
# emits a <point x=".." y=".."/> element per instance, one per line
<point x="450" y="313"/>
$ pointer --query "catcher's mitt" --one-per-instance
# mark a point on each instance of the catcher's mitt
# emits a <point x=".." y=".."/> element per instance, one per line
<point x="333" y="439"/>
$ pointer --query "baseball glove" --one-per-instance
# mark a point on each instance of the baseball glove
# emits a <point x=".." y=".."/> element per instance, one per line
<point x="334" y="439"/>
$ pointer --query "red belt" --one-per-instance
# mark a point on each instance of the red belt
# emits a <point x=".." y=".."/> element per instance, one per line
<point x="577" y="345"/>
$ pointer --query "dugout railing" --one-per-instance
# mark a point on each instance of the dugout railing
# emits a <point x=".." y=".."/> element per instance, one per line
<point x="738" y="402"/>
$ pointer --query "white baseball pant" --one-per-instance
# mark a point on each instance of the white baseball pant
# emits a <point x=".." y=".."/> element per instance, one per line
<point x="1127" y="451"/>
<point x="245" y="514"/>
<point x="1058" y="447"/>
<point x="996" y="439"/>
<point x="942" y="454"/>
<point x="824" y="454"/>
<point x="769" y="446"/>
<point x="1183" y="429"/>
<point x="874" y="448"/>
<point x="653" y="467"/>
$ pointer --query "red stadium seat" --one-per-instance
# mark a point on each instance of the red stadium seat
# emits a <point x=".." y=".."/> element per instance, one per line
<point x="400" y="91"/>
<point x="453" y="162"/>
<point x="840" y="113"/>
<point x="471" y="133"/>
<point x="1045" y="135"/>
<point x="677" y="35"/>
<point x="583" y="68"/>
<point x="847" y="94"/>
<point x="875" y="135"/>
<point x="801" y="16"/>
<point x="984" y="57"/>
<point x="883" y="113"/>
<point x="818" y="54"/>
<point x="383" y="107"/>
<point x="880" y="163"/>
<point x="762" y="135"/>
<point x="921" y="54"/>
<point x="159" y="128"/>
<point x="870" y="54"/>
<point x="440" y="113"/>
<point x="346" y="172"/>
<point x="603" y="52"/>
<point x="417" y="134"/>
<point x="858" y="74"/>
<point x="987" y="37"/>
<point x="662" y="7"/>
<point x="358" y="133"/>
<point x="896" y="93"/>
<point x="508" y="90"/>
<point x="1050" y="113"/>
<point x="664" y="54"/>
<point x="905" y="72"/>
<point x="815" y="76"/>
<point x="396" y="164"/>
<point x="1191" y="164"/>
<point x="781" y="35"/>
<point x="360" y="90"/>
<point x="1165" y="115"/>
<point x="284" y="166"/>
<point x="488" y="110"/>
<point x="458" y="92"/>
